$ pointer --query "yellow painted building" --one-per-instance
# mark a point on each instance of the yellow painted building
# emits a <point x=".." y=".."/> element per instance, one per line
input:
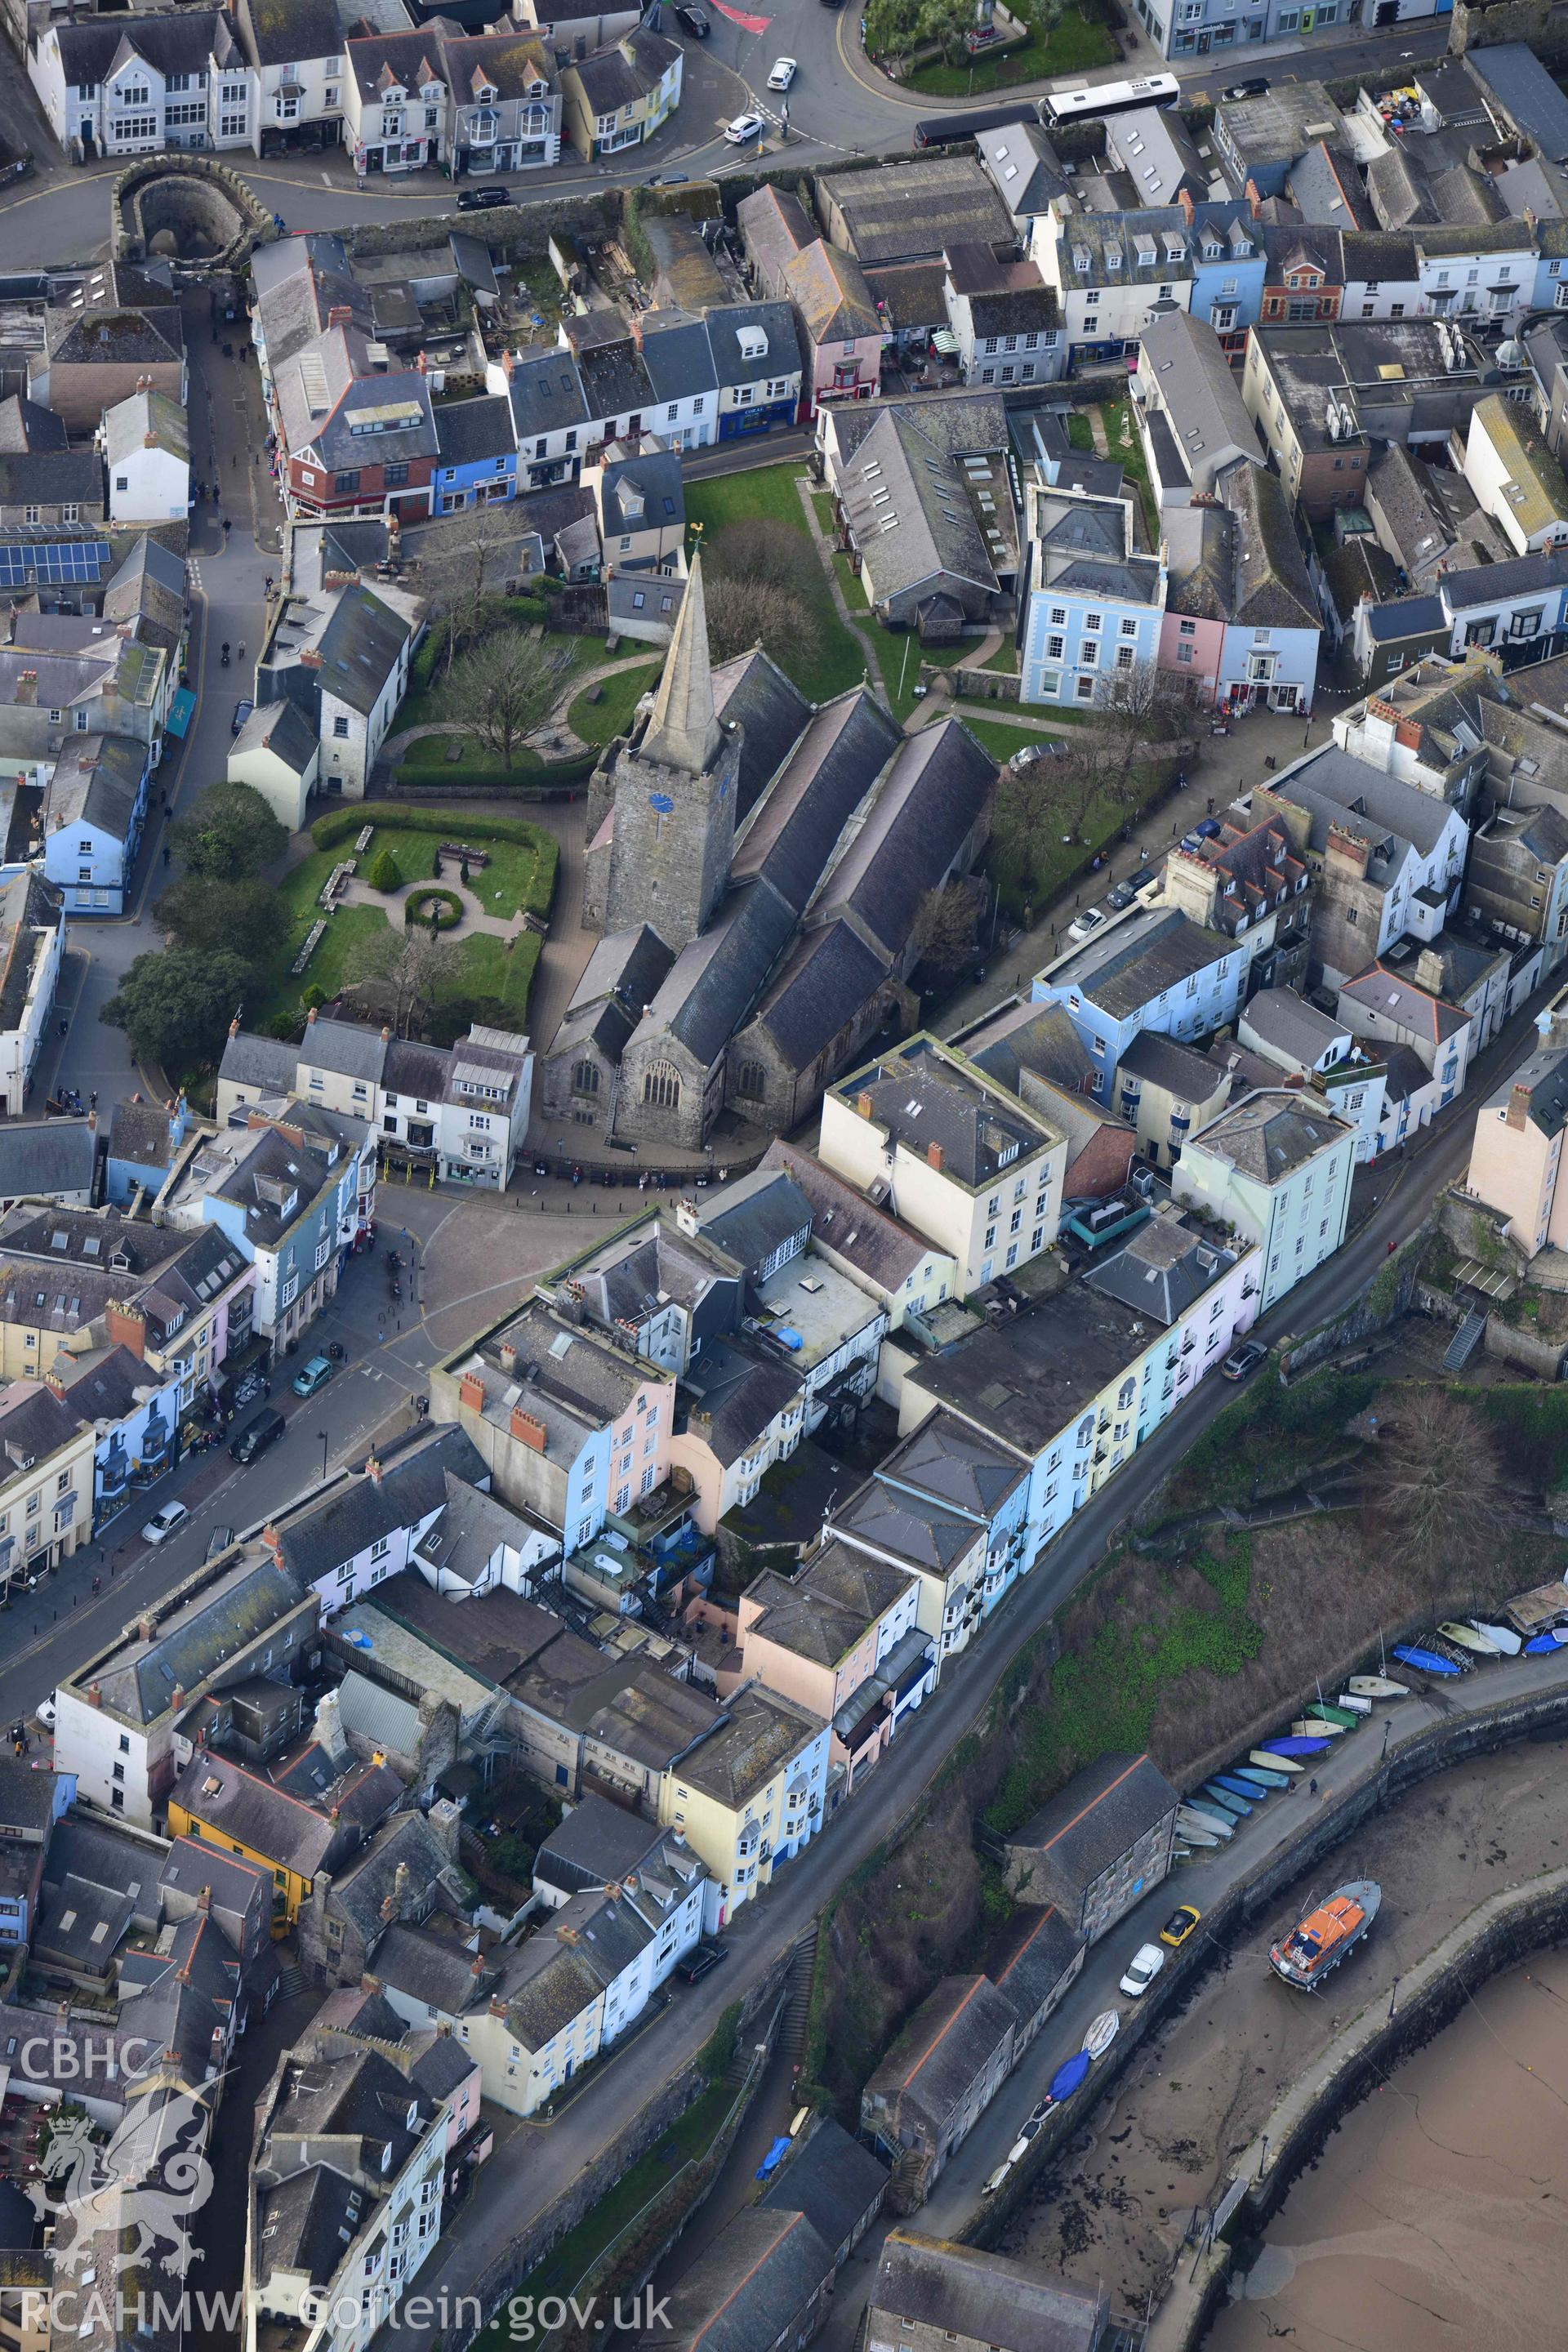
<point x="219" y="1801"/>
<point x="46" y="1480"/>
<point x="751" y="1795"/>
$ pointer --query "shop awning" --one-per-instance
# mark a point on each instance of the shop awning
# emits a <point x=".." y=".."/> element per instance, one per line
<point x="180" y="711"/>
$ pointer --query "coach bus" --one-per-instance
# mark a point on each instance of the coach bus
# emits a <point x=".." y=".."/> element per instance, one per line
<point x="1109" y="97"/>
<point x="948" y="130"/>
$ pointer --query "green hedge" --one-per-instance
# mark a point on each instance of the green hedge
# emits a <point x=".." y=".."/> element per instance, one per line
<point x="418" y="905"/>
<point x="538" y="778"/>
<point x="338" y="824"/>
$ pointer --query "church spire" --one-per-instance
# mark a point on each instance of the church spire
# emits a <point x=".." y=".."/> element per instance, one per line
<point x="684" y="729"/>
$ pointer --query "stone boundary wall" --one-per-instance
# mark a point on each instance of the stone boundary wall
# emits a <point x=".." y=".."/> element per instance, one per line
<point x="1437" y="1750"/>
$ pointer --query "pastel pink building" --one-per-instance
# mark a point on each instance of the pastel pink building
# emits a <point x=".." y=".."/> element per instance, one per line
<point x="843" y="327"/>
<point x="1194" y="649"/>
<point x="822" y="1639"/>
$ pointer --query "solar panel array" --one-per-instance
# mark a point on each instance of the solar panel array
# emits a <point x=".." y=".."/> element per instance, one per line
<point x="79" y="559"/>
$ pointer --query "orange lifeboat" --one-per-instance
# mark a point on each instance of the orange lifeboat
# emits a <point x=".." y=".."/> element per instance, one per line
<point x="1327" y="1935"/>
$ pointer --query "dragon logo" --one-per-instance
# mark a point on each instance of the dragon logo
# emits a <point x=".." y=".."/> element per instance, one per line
<point x="140" y="2189"/>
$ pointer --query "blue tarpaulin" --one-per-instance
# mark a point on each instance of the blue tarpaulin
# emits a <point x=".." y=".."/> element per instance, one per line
<point x="773" y="2158"/>
<point x="1066" y="2079"/>
<point x="180" y="711"/>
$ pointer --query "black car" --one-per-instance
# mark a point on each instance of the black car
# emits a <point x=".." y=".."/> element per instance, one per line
<point x="1256" y="88"/>
<point x="699" y="1959"/>
<point x="1123" y="895"/>
<point x="482" y="200"/>
<point x="242" y="711"/>
<point x="695" y="22"/>
<point x="256" y="1436"/>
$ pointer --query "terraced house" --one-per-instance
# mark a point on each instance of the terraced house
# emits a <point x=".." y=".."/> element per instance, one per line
<point x="135" y="86"/>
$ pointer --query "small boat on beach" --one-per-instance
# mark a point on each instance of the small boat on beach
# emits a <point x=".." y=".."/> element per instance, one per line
<point x="1236" y="1805"/>
<point x="1101" y="2033"/>
<point x="1070" y="2073"/>
<point x="1501" y="1637"/>
<point x="1215" y="1816"/>
<point x="1427" y="1662"/>
<point x="1191" y="1840"/>
<point x="1328" y="1932"/>
<point x="1240" y="1786"/>
<point x="1298" y="1744"/>
<point x="1317" y="1727"/>
<point x="1465" y="1637"/>
<point x="1347" y="1717"/>
<point x="1272" y="1760"/>
<point x="1377" y="1687"/>
<point x="1541" y="1645"/>
<point x="1261" y="1779"/>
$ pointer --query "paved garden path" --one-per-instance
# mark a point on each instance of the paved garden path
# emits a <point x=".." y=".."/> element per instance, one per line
<point x="556" y="724"/>
<point x="474" y="916"/>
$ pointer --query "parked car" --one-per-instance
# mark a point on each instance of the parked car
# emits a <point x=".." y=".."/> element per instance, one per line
<point x="482" y="200"/>
<point x="1208" y="828"/>
<point x="46" y="1712"/>
<point x="256" y="1436"/>
<point x="744" y="127"/>
<point x="1141" y="1970"/>
<point x="1257" y="87"/>
<point x="242" y="711"/>
<point x="1181" y="1924"/>
<point x="1122" y="897"/>
<point x="165" y="1522"/>
<point x="316" y="1375"/>
<point x="783" y="74"/>
<point x="699" y="1959"/>
<point x="1243" y="1361"/>
<point x="219" y="1540"/>
<point x="1088" y="923"/>
<point x="694" y="21"/>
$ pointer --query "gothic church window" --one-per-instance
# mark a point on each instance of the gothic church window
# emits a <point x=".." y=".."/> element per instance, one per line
<point x="662" y="1085"/>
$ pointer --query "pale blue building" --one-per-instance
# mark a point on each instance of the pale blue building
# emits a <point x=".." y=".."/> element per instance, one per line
<point x="1151" y="968"/>
<point x="1095" y="605"/>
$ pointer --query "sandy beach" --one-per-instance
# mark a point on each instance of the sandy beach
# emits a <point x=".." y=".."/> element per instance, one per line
<point x="1164" y="2145"/>
<point x="1435" y="2216"/>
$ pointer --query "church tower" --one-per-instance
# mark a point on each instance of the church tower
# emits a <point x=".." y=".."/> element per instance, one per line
<point x="672" y="827"/>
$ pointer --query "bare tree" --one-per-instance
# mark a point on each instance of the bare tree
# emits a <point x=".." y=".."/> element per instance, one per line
<point x="765" y="549"/>
<point x="399" y="974"/>
<point x="465" y="561"/>
<point x="947" y="922"/>
<point x="502" y="688"/>
<point x="1440" y="1495"/>
<point x="758" y="611"/>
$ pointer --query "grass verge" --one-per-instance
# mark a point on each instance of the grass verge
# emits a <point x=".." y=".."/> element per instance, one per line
<point x="1074" y="44"/>
<point x="601" y="721"/>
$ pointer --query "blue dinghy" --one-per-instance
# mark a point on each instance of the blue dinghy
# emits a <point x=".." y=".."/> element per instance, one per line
<point x="1294" y="1746"/>
<point x="1429" y="1661"/>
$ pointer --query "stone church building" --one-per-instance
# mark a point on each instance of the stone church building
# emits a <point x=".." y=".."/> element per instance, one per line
<point x="755" y="865"/>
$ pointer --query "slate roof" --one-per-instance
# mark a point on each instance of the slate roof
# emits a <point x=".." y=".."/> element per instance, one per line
<point x="826" y="979"/>
<point x="52" y="476"/>
<point x="1149" y="951"/>
<point x="596" y="1845"/>
<point x="641" y="489"/>
<point x="1038" y="1038"/>
<point x="921" y="1097"/>
<point x="362" y="1509"/>
<point x="1494" y="583"/>
<point x="1024" y="166"/>
<point x="1544" y="1079"/>
<point x="379" y="1715"/>
<point x="1399" y="999"/>
<point x="713" y="981"/>
<point x="846" y="1225"/>
<point x="1101" y="1812"/>
<point x="1531" y="101"/>
<point x="359" y="648"/>
<point x="24" y="426"/>
<point x="732" y="365"/>
<point x="279" y="727"/>
<point x="740" y="1392"/>
<point x="828" y="287"/>
<point x="430" y="1968"/>
<point x="791" y="835"/>
<point x="47" y="1155"/>
<point x="911" y="1526"/>
<point x="183" y="43"/>
<point x="773" y="226"/>
<point x="915" y="208"/>
<point x="771" y="709"/>
<point x="254" y="1813"/>
<point x="677" y="355"/>
<point x="1036" y="1953"/>
<point x="752" y="2286"/>
<point x="546" y="395"/>
<point x="1295" y="1028"/>
<point x="138" y="1679"/>
<point x="615" y="383"/>
<point x="1268" y="1134"/>
<point x="910" y="295"/>
<point x="831" y="2178"/>
<point x="958" y="2291"/>
<point x="931" y="2068"/>
<point x="902" y="470"/>
<point x="468" y="432"/>
<point x="362" y="1886"/>
<point x="1165" y="1268"/>
<point x="955" y="1465"/>
<point x="1535" y="493"/>
<point x="283" y="30"/>
<point x="1340" y="789"/>
<point x="938" y="787"/>
<point x="762" y="1732"/>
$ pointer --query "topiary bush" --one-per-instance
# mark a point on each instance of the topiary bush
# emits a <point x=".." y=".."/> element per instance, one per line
<point x="339" y="824"/>
<point x="385" y="874"/>
<point x="443" y="905"/>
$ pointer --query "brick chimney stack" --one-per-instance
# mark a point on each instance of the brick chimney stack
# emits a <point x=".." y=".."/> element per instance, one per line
<point x="1517" y="1115"/>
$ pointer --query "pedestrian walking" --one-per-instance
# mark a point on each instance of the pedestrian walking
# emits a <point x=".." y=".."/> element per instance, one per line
<point x="1312" y="1788"/>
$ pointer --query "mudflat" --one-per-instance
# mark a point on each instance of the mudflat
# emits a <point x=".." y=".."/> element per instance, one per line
<point x="1434" y="2216"/>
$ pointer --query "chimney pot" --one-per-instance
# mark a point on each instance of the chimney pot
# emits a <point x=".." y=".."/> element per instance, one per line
<point x="1517" y="1115"/>
<point x="863" y="1105"/>
<point x="933" y="1157"/>
<point x="471" y="1392"/>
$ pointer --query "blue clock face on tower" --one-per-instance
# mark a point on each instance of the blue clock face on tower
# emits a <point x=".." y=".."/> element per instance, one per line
<point x="661" y="803"/>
